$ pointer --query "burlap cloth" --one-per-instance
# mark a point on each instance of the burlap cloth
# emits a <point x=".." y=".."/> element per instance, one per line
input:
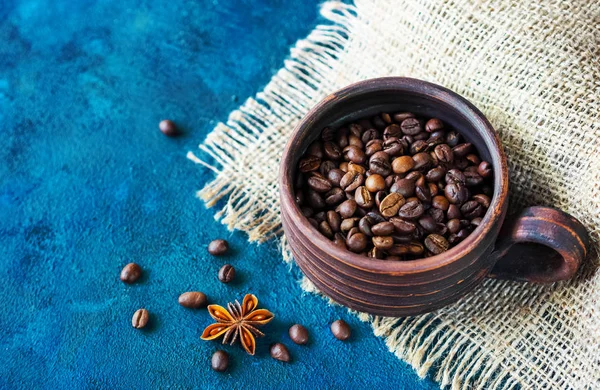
<point x="533" y="68"/>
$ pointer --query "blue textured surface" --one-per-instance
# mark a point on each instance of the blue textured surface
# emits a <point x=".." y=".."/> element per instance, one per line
<point x="88" y="184"/>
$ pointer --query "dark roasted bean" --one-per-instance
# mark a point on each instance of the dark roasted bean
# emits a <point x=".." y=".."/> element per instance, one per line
<point x="226" y="273"/>
<point x="326" y="230"/>
<point x="332" y="151"/>
<point x="436" y="244"/>
<point x="355" y="154"/>
<point x="335" y="196"/>
<point x="340" y="330"/>
<point x="315" y="149"/>
<point x="404" y="187"/>
<point x="452" y="139"/>
<point x="356" y="242"/>
<point x="411" y="210"/>
<point x="419" y="146"/>
<point x="453" y="212"/>
<point x="335" y="176"/>
<point x="309" y="163"/>
<point x="473" y="178"/>
<point x="428" y="223"/>
<point x="383" y="242"/>
<point x="132" y="272"/>
<point x="383" y="229"/>
<point x="369" y="135"/>
<point x="319" y="183"/>
<point x="347" y="208"/>
<point x="411" y="126"/>
<point x="403" y="227"/>
<point x="472" y="209"/>
<point x="393" y="146"/>
<point x="461" y="150"/>
<point x="298" y="334"/>
<point x="483" y="200"/>
<point x="328" y="134"/>
<point x="485" y="169"/>
<point x="422" y="161"/>
<point x="437" y="214"/>
<point x="456" y="193"/>
<point x="373" y="147"/>
<point x="351" y="181"/>
<point x="392" y="131"/>
<point x="334" y="220"/>
<point x="433" y="124"/>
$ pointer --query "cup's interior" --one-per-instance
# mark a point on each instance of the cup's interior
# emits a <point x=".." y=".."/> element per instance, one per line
<point x="373" y="97"/>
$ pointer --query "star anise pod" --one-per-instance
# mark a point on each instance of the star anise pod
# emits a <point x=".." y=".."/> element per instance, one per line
<point x="237" y="322"/>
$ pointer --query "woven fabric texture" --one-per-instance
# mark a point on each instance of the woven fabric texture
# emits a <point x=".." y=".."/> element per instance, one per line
<point x="533" y="69"/>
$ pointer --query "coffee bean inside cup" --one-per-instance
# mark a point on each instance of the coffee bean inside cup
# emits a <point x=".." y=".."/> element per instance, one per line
<point x="395" y="186"/>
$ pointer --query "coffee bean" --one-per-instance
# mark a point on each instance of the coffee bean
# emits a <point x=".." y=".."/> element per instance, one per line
<point x="428" y="223"/>
<point x="403" y="164"/>
<point x="436" y="138"/>
<point x="351" y="181"/>
<point x="140" y="318"/>
<point x="483" y="200"/>
<point x="356" y="141"/>
<point x="335" y="176"/>
<point x="473" y="159"/>
<point x="280" y="352"/>
<point x="462" y="150"/>
<point x="354" y="153"/>
<point x="347" y="208"/>
<point x="326" y="230"/>
<point x="315" y="200"/>
<point x="472" y="209"/>
<point x="434" y="124"/>
<point x="383" y="242"/>
<point x="315" y="149"/>
<point x="440" y="202"/>
<point x="348" y="223"/>
<point x="334" y="220"/>
<point x="375" y="183"/>
<point x="226" y="273"/>
<point x="485" y="169"/>
<point x="379" y="164"/>
<point x="364" y="225"/>
<point x="340" y="330"/>
<point x="437" y="214"/>
<point x="356" y="242"/>
<point x="332" y="151"/>
<point x="391" y="204"/>
<point x="452" y="139"/>
<point x="379" y="197"/>
<point x="373" y="147"/>
<point x="456" y="193"/>
<point x="319" y="183"/>
<point x="472" y="179"/>
<point x="328" y="134"/>
<point x="411" y="210"/>
<point x="422" y="193"/>
<point x="412" y="248"/>
<point x="356" y="129"/>
<point x="168" y="128"/>
<point x="392" y="131"/>
<point x="404" y="187"/>
<point x="401" y="116"/>
<point x="411" y="126"/>
<point x="339" y="240"/>
<point x="131" y="273"/>
<point x="375" y="253"/>
<point x="419" y="146"/>
<point x="193" y="299"/>
<point x="436" y="244"/>
<point x="453" y="225"/>
<point x="369" y="135"/>
<point x="402" y="226"/>
<point x="341" y="137"/>
<point x="383" y="229"/>
<point x="298" y="334"/>
<point x="334" y="197"/>
<point x="219" y="361"/>
<point x="309" y="163"/>
<point x="393" y="146"/>
<point x="455" y="176"/>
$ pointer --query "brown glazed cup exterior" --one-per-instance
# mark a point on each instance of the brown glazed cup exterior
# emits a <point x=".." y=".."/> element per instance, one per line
<point x="539" y="244"/>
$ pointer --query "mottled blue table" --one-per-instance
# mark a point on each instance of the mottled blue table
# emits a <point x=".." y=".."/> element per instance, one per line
<point x="88" y="184"/>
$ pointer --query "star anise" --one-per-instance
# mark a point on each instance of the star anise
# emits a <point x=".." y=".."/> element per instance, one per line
<point x="237" y="322"/>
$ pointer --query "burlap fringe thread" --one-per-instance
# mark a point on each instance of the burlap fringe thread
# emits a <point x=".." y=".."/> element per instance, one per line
<point x="453" y="353"/>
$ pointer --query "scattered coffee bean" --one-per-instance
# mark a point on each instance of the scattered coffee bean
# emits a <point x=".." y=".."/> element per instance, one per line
<point x="168" y="128"/>
<point x="140" y="318"/>
<point x="340" y="330"/>
<point x="218" y="247"/>
<point x="299" y="334"/>
<point x="280" y="352"/>
<point x="193" y="299"/>
<point x="219" y="361"/>
<point x="226" y="273"/>
<point x="131" y="273"/>
<point x="394" y="186"/>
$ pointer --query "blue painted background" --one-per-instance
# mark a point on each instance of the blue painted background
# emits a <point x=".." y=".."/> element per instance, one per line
<point x="88" y="184"/>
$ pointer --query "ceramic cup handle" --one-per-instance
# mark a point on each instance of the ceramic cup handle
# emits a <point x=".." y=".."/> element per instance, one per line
<point x="540" y="245"/>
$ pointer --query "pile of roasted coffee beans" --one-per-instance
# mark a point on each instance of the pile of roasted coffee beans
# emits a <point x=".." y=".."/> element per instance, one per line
<point x="395" y="187"/>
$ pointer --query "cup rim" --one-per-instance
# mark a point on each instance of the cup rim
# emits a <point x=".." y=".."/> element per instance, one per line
<point x="477" y="120"/>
